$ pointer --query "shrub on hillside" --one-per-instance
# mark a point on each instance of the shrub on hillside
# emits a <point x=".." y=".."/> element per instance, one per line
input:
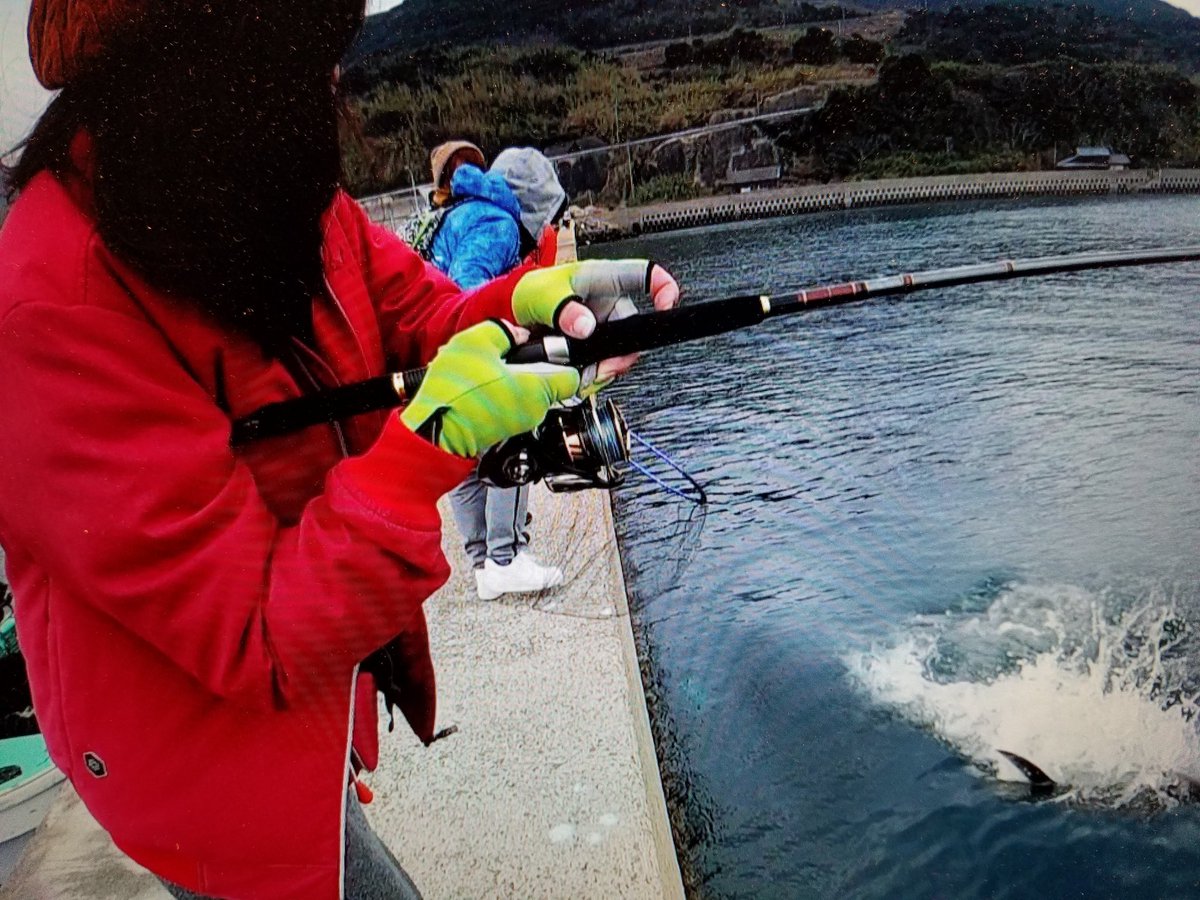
<point x="858" y="49"/>
<point x="665" y="188"/>
<point x="816" y="47"/>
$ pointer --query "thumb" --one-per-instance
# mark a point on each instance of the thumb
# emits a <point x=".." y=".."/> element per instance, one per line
<point x="576" y="320"/>
<point x="664" y="289"/>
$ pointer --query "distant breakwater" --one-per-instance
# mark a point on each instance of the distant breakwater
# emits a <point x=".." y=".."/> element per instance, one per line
<point x="762" y="204"/>
<point x="596" y="224"/>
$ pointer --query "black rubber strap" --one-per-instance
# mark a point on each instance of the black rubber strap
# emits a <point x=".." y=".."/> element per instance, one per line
<point x="329" y="405"/>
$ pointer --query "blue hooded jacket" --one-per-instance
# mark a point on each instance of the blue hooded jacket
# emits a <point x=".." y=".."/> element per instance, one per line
<point x="479" y="238"/>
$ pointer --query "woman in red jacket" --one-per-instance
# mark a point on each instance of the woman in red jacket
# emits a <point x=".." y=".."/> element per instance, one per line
<point x="193" y="618"/>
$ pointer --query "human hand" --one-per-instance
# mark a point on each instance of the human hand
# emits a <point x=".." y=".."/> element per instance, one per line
<point x="573" y="297"/>
<point x="470" y="399"/>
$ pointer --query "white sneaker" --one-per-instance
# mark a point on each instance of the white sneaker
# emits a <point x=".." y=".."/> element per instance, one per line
<point x="552" y="576"/>
<point x="521" y="575"/>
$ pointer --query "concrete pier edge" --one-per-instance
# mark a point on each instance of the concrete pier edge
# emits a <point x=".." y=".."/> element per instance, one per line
<point x="660" y="819"/>
<point x="664" y="841"/>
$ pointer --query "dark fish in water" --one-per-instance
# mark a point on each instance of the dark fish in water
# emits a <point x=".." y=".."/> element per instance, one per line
<point x="1040" y="784"/>
<point x="1181" y="788"/>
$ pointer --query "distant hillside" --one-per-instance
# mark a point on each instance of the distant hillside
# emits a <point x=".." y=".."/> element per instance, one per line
<point x="943" y="89"/>
<point x="583" y="24"/>
<point x="1016" y="33"/>
<point x="1143" y="11"/>
<point x="597" y="24"/>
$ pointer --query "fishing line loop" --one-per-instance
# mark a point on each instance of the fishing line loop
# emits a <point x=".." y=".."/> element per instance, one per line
<point x="698" y="496"/>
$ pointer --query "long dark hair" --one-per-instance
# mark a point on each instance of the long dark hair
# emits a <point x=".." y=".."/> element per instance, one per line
<point x="215" y="135"/>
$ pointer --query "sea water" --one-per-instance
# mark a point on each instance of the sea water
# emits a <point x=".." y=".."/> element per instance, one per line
<point x="939" y="527"/>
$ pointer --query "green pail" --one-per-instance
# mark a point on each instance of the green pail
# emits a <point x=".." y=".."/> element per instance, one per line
<point x="8" y="634"/>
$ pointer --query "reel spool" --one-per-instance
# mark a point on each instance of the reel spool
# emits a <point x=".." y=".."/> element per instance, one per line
<point x="575" y="448"/>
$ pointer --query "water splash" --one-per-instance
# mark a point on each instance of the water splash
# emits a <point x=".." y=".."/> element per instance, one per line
<point x="1092" y="688"/>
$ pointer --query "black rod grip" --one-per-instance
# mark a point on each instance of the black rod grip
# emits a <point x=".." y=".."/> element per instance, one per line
<point x="631" y="335"/>
<point x="656" y="329"/>
<point x="327" y="405"/>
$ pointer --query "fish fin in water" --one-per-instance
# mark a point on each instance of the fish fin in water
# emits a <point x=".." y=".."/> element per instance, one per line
<point x="1040" y="784"/>
<point x="1184" y="788"/>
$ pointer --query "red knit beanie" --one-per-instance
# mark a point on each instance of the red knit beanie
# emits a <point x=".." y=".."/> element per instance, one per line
<point x="66" y="37"/>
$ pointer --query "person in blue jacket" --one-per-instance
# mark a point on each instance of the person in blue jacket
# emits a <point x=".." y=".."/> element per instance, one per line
<point x="491" y="220"/>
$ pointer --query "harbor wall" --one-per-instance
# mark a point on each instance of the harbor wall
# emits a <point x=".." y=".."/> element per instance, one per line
<point x="392" y="209"/>
<point x="859" y="194"/>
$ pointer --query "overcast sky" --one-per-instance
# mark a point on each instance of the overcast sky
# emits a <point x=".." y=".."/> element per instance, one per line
<point x="21" y="98"/>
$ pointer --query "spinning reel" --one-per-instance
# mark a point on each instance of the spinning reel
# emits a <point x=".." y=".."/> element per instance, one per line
<point x="575" y="448"/>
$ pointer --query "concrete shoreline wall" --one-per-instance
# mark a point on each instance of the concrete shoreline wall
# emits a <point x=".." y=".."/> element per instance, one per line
<point x="392" y="209"/>
<point x="861" y="194"/>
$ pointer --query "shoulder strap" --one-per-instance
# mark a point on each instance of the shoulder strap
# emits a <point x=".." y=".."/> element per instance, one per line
<point x="419" y="232"/>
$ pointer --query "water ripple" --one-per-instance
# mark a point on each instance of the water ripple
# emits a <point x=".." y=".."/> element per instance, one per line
<point x="882" y="470"/>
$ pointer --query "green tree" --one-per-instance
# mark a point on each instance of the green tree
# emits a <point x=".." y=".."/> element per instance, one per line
<point x="817" y="46"/>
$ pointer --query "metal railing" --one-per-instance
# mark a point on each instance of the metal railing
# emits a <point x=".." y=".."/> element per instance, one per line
<point x="393" y="207"/>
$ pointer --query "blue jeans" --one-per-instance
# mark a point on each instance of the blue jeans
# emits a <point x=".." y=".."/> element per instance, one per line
<point x="491" y="520"/>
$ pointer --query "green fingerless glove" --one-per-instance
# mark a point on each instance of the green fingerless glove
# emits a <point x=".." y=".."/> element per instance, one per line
<point x="606" y="286"/>
<point x="471" y="399"/>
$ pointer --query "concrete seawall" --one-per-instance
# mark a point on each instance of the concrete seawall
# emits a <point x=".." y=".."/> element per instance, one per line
<point x="394" y="208"/>
<point x="859" y="194"/>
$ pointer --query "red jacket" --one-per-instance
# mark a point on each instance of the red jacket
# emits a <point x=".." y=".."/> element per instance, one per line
<point x="193" y="618"/>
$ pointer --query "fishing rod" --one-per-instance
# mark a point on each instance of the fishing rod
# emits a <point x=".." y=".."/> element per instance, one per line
<point x="584" y="444"/>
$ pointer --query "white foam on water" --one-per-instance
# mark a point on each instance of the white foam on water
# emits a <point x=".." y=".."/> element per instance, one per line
<point x="1094" y="696"/>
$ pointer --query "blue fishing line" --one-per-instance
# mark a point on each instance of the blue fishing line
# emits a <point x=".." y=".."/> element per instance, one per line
<point x="700" y="500"/>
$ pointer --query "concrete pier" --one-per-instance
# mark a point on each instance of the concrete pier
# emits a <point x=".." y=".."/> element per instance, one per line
<point x="551" y="787"/>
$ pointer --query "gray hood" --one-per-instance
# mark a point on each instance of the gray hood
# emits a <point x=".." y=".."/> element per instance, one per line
<point x="534" y="180"/>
